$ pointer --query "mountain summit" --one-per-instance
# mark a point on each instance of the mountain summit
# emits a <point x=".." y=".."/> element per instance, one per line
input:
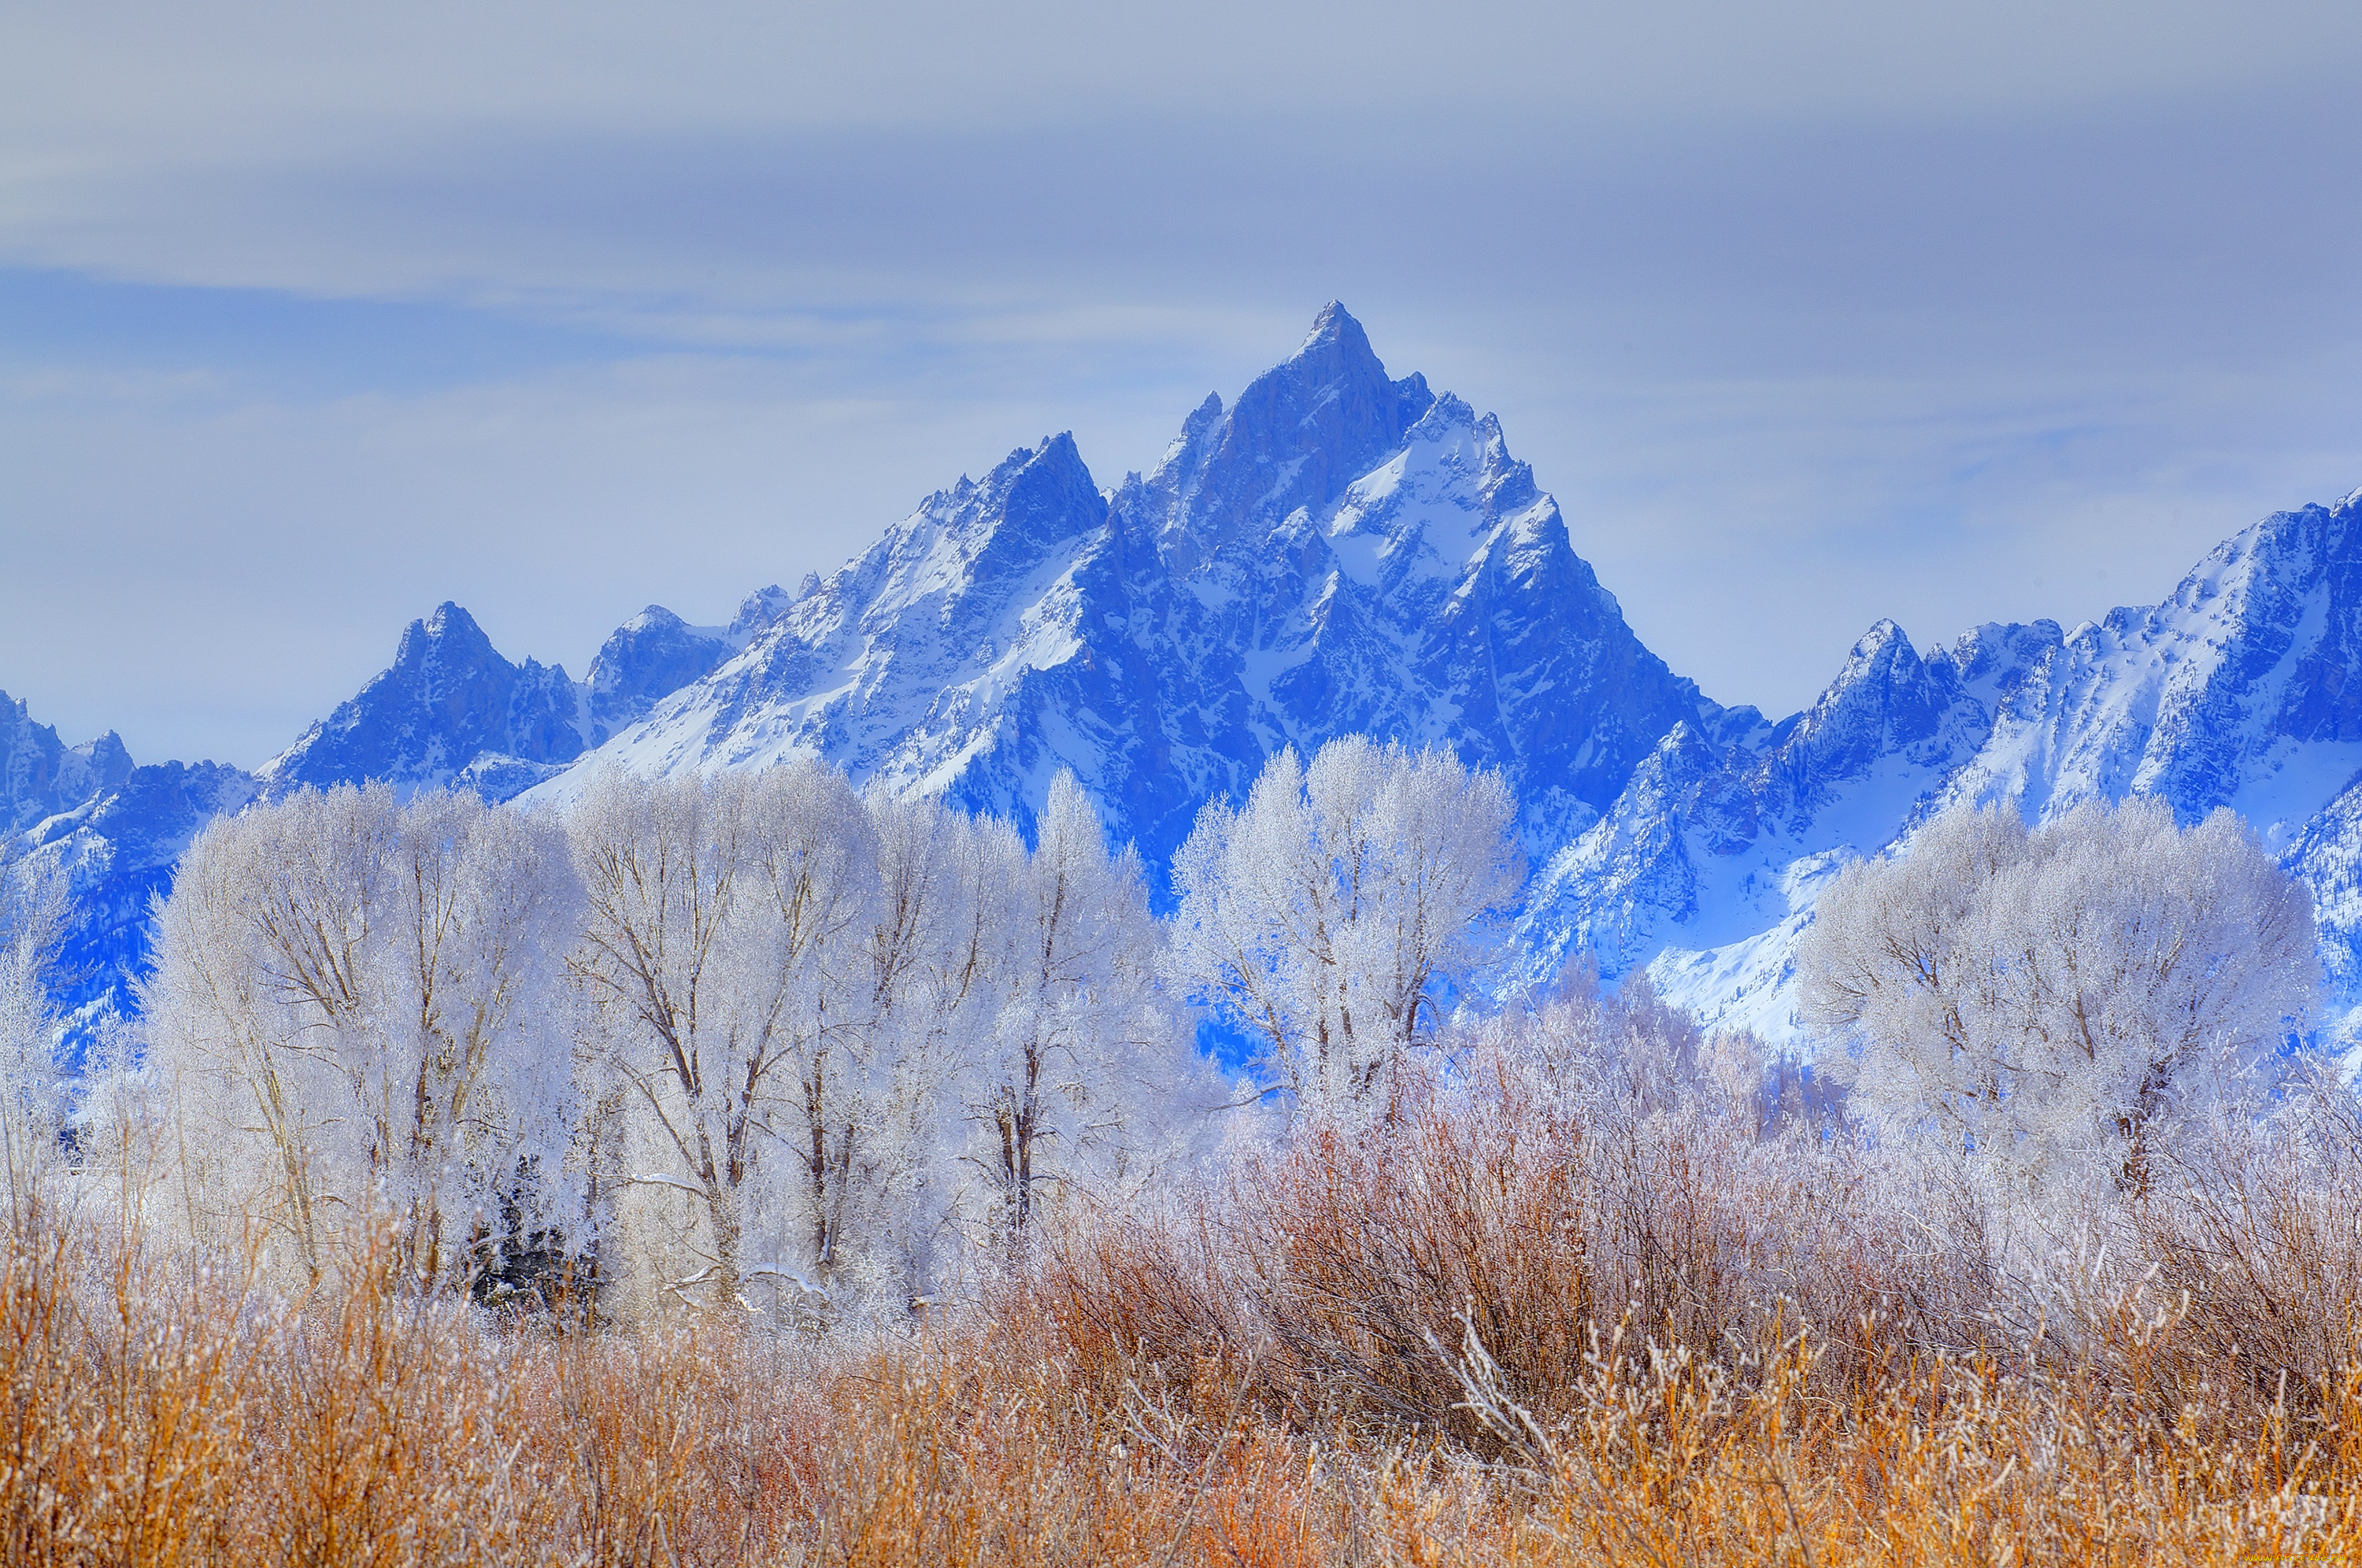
<point x="1338" y="551"/>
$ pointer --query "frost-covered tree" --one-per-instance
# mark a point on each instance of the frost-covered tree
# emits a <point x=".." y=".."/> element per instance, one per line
<point x="1078" y="1051"/>
<point x="933" y="957"/>
<point x="32" y="1082"/>
<point x="717" y="912"/>
<point x="2053" y="1003"/>
<point x="815" y="861"/>
<point x="1329" y="915"/>
<point x="357" y="1009"/>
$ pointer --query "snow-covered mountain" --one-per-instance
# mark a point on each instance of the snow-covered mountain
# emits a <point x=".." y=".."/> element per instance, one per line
<point x="41" y="776"/>
<point x="2242" y="689"/>
<point x="1341" y="551"/>
<point x="117" y="851"/>
<point x="1338" y="551"/>
<point x="112" y="828"/>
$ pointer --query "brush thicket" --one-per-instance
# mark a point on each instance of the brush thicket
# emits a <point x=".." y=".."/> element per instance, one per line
<point x="1505" y="1326"/>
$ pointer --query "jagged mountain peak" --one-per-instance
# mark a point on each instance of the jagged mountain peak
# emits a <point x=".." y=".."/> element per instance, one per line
<point x="1334" y="551"/>
<point x="2003" y="650"/>
<point x="1883" y="641"/>
<point x="448" y="632"/>
<point x="40" y="776"/>
<point x="108" y="759"/>
<point x="966" y="550"/>
<point x="1334" y="322"/>
<point x="1042" y="495"/>
<point x="448" y="699"/>
<point x="446" y="642"/>
<point x="765" y="605"/>
<point x="656" y="653"/>
<point x="1295" y="439"/>
<point x="1886" y="697"/>
<point x="2237" y="689"/>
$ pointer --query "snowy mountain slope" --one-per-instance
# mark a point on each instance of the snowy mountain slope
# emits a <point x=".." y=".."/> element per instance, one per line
<point x="111" y="830"/>
<point x="2241" y="689"/>
<point x="1337" y="552"/>
<point x="1704" y="871"/>
<point x="2328" y="856"/>
<point x="118" y="852"/>
<point x="963" y="605"/>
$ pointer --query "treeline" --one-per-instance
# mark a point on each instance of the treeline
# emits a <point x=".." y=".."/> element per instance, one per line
<point x="763" y="1041"/>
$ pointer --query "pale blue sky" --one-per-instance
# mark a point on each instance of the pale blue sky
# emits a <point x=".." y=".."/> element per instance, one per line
<point x="1808" y="313"/>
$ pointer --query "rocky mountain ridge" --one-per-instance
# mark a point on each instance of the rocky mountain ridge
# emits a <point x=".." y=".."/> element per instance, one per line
<point x="2242" y="689"/>
<point x="449" y="712"/>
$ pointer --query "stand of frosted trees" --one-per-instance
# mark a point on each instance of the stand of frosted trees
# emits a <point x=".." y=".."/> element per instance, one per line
<point x="756" y="1041"/>
<point x="763" y="1043"/>
<point x="830" y="1038"/>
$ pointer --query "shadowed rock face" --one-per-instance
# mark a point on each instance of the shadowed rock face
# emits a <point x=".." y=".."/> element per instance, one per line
<point x="1297" y="435"/>
<point x="1337" y="552"/>
<point x="650" y="656"/>
<point x="451" y="712"/>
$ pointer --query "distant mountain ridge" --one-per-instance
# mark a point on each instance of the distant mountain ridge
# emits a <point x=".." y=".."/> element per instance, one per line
<point x="450" y="712"/>
<point x="40" y="776"/>
<point x="2242" y="689"/>
<point x="1338" y="551"/>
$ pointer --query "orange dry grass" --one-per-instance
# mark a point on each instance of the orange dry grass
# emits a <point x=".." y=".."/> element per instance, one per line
<point x="1363" y="1355"/>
